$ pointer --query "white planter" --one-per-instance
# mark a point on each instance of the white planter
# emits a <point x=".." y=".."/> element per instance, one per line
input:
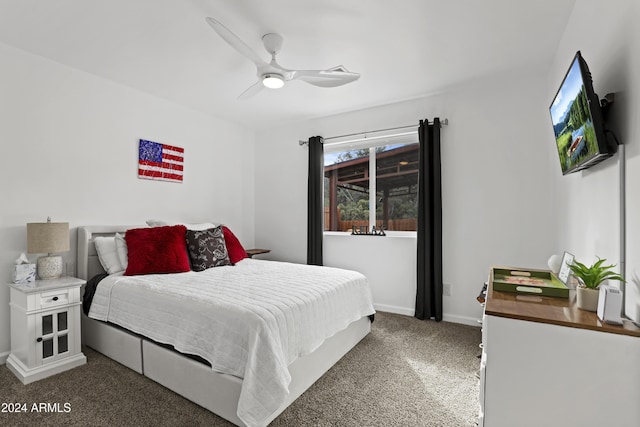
<point x="587" y="299"/>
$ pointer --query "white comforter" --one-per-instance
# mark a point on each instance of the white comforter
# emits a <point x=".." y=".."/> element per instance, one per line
<point x="250" y="320"/>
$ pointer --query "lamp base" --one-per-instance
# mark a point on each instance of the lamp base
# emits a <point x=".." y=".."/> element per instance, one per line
<point x="49" y="267"/>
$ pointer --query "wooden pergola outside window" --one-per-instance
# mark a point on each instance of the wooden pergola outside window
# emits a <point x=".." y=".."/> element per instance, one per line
<point x="396" y="175"/>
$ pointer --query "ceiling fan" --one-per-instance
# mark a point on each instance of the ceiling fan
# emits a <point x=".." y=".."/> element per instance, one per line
<point x="273" y="75"/>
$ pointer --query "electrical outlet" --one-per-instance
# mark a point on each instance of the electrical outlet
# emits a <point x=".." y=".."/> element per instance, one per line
<point x="446" y="289"/>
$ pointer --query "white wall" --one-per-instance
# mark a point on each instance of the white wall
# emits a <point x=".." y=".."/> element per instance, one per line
<point x="496" y="190"/>
<point x="388" y="263"/>
<point x="587" y="203"/>
<point x="69" y="151"/>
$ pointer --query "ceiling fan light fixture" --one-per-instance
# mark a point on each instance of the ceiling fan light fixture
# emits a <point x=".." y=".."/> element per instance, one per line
<point x="273" y="81"/>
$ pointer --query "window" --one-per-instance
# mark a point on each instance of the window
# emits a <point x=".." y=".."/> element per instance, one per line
<point x="371" y="181"/>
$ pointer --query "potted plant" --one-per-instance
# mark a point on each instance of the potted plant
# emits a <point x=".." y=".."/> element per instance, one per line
<point x="589" y="279"/>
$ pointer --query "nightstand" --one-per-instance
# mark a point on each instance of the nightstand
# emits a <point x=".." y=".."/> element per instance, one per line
<point x="45" y="328"/>
<point x="252" y="252"/>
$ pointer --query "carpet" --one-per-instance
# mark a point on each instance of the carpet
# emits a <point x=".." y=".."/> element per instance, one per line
<point x="407" y="372"/>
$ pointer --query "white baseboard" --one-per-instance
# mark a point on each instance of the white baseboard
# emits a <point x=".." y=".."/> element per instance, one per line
<point x="471" y="321"/>
<point x="3" y="357"/>
<point x="394" y="309"/>
<point x="411" y="312"/>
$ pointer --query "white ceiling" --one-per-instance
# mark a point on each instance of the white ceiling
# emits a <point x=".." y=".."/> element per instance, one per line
<point x="402" y="48"/>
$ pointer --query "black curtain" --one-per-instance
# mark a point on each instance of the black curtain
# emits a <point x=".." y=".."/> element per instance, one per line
<point x="429" y="286"/>
<point x="315" y="198"/>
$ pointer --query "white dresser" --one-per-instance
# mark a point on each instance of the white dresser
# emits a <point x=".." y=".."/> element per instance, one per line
<point x="547" y="363"/>
<point x="45" y="328"/>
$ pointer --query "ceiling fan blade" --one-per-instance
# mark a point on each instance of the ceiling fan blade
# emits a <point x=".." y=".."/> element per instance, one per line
<point x="235" y="42"/>
<point x="336" y="76"/>
<point x="251" y="91"/>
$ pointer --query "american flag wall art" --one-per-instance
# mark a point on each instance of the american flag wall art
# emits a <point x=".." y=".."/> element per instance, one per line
<point x="160" y="161"/>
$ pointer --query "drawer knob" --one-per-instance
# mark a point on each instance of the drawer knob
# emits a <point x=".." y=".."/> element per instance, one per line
<point x="39" y="339"/>
<point x="55" y="298"/>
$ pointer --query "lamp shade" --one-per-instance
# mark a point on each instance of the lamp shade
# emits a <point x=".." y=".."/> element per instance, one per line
<point x="47" y="237"/>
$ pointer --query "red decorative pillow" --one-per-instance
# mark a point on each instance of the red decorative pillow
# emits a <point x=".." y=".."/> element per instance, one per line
<point x="157" y="250"/>
<point x="234" y="248"/>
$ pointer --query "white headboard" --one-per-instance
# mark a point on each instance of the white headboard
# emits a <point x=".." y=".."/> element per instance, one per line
<point x="88" y="262"/>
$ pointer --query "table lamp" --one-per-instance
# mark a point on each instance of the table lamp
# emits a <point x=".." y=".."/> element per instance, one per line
<point x="48" y="237"/>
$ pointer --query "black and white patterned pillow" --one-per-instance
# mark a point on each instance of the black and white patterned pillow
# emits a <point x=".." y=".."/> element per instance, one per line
<point x="207" y="248"/>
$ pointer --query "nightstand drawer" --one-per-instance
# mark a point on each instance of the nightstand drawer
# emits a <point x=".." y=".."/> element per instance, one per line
<point x="54" y="298"/>
<point x="46" y="294"/>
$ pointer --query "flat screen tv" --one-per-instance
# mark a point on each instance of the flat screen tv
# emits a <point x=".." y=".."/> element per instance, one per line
<point x="577" y="121"/>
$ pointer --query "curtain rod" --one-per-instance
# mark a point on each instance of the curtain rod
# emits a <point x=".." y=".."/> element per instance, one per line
<point x="443" y="122"/>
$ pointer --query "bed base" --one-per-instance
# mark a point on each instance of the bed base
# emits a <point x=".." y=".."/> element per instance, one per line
<point x="196" y="381"/>
<point x="117" y="344"/>
<point x="217" y="392"/>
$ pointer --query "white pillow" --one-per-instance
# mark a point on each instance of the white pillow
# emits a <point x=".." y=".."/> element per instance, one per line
<point x="121" y="249"/>
<point x="156" y="223"/>
<point x="107" y="254"/>
<point x="195" y="227"/>
<point x="200" y="227"/>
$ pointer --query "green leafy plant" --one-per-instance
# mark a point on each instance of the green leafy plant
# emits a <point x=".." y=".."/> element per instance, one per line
<point x="592" y="277"/>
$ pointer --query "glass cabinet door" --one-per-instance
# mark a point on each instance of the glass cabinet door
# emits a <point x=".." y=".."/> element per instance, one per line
<point x="52" y="336"/>
<point x="47" y="332"/>
<point x="63" y="340"/>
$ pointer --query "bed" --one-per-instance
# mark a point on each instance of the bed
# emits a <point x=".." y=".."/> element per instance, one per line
<point x="283" y="372"/>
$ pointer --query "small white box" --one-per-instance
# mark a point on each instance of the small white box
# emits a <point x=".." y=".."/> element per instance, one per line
<point x="610" y="304"/>
<point x="24" y="273"/>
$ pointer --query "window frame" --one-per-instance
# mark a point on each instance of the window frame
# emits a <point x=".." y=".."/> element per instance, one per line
<point x="370" y="143"/>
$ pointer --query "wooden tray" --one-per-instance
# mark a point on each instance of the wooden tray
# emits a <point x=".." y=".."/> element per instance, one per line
<point x="530" y="282"/>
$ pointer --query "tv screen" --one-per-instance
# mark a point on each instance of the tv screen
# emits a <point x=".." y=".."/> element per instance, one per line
<point x="577" y="121"/>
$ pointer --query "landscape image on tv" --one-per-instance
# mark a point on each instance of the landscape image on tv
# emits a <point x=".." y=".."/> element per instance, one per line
<point x="572" y="122"/>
